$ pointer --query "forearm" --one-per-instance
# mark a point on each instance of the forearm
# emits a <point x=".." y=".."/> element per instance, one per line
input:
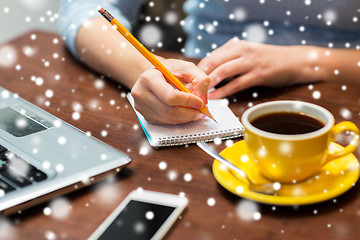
<point x="108" y="52"/>
<point x="324" y="64"/>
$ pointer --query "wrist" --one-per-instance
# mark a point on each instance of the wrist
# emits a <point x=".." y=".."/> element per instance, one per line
<point x="312" y="63"/>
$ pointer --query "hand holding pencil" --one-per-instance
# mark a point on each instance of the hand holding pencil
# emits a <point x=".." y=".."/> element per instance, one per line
<point x="174" y="100"/>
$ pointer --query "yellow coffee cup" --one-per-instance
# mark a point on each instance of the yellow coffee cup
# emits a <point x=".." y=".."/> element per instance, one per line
<point x="287" y="150"/>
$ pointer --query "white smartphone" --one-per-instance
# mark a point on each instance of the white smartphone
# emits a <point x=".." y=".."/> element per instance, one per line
<point x="142" y="215"/>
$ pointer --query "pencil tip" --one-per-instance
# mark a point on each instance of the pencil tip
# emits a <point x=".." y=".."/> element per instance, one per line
<point x="208" y="114"/>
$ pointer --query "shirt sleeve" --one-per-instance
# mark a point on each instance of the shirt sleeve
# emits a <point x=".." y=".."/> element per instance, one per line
<point x="74" y="13"/>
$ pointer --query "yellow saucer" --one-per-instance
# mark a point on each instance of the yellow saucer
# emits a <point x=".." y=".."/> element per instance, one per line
<point x="332" y="180"/>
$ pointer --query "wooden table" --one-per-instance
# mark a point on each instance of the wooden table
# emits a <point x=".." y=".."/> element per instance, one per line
<point x="107" y="115"/>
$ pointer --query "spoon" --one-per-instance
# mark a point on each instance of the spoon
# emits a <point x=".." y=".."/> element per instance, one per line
<point x="267" y="188"/>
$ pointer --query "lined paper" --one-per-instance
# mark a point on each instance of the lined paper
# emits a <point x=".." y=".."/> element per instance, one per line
<point x="227" y="126"/>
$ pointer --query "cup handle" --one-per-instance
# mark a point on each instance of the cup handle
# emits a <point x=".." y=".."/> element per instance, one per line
<point x="351" y="147"/>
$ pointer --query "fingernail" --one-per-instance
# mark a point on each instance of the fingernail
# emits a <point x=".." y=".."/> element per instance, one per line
<point x="199" y="105"/>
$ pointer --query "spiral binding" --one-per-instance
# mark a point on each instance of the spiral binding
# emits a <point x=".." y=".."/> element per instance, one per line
<point x="194" y="138"/>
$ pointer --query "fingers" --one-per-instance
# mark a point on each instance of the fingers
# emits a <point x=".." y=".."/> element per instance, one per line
<point x="188" y="72"/>
<point x="231" y="68"/>
<point x="157" y="84"/>
<point x="159" y="102"/>
<point x="240" y="83"/>
<point x="156" y="112"/>
<point x="221" y="55"/>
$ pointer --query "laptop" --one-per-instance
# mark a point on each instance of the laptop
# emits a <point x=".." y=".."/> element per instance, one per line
<point x="42" y="157"/>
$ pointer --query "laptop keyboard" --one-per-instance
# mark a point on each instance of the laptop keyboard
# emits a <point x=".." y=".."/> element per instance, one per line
<point x="16" y="173"/>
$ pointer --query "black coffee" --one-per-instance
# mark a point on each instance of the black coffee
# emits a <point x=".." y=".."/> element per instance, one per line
<point x="287" y="123"/>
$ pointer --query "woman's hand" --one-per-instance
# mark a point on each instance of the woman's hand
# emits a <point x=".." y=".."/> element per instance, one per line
<point x="159" y="102"/>
<point x="253" y="64"/>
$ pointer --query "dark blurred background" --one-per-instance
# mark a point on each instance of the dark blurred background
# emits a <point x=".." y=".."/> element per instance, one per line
<point x="159" y="25"/>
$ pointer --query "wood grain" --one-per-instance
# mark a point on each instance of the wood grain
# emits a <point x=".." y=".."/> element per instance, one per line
<point x="105" y="110"/>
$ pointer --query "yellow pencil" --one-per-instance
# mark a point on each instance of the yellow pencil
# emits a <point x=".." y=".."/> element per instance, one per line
<point x="150" y="57"/>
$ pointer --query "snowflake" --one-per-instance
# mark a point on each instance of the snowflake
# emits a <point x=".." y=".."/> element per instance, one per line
<point x="256" y="33"/>
<point x="247" y="210"/>
<point x="187" y="177"/>
<point x="307" y="2"/>
<point x="162" y="165"/>
<point x="50" y="235"/>
<point x="60" y="208"/>
<point x="171" y="17"/>
<point x="8" y="56"/>
<point x="172" y="175"/>
<point x="144" y="151"/>
<point x="330" y="16"/>
<point x="345" y="113"/>
<point x="150" y="34"/>
<point x="239" y="14"/>
<point x="75" y="116"/>
<point x="59" y="168"/>
<point x="316" y="94"/>
<point x="49" y="93"/>
<point x="62" y="140"/>
<point x="149" y="215"/>
<point x="211" y="202"/>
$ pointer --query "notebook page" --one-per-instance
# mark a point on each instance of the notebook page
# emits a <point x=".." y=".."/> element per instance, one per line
<point x="204" y="129"/>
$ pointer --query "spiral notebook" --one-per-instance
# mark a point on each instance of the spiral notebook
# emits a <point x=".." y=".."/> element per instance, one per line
<point x="227" y="126"/>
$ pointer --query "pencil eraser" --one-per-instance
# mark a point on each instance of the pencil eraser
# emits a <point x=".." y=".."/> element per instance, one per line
<point x="101" y="10"/>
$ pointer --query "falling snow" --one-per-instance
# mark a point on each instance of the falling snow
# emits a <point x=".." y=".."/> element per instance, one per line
<point x="49" y="93"/>
<point x="211" y="202"/>
<point x="99" y="84"/>
<point x="46" y="164"/>
<point x="240" y="189"/>
<point x="217" y="141"/>
<point x="172" y="175"/>
<point x="256" y="33"/>
<point x="8" y="56"/>
<point x="50" y="235"/>
<point x="187" y="177"/>
<point x="316" y="95"/>
<point x="229" y="143"/>
<point x="77" y="107"/>
<point x="151" y="35"/>
<point x="7" y="229"/>
<point x="171" y="17"/>
<point x="104" y="133"/>
<point x="345" y="113"/>
<point x="248" y="210"/>
<point x="244" y="158"/>
<point x="39" y="81"/>
<point x="144" y="151"/>
<point x="62" y="140"/>
<point x="59" y="168"/>
<point x="75" y="115"/>
<point x="149" y="215"/>
<point x="59" y="208"/>
<point x="162" y="165"/>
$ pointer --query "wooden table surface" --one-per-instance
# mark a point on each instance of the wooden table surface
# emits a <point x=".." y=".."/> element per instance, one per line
<point x="38" y="61"/>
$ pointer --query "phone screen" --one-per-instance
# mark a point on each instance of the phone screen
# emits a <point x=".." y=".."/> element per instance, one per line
<point x="138" y="220"/>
